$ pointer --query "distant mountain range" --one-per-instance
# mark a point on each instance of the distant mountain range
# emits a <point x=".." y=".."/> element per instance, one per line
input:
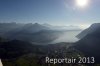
<point x="69" y="27"/>
<point x="27" y="32"/>
<point x="38" y="33"/>
<point x="90" y="41"/>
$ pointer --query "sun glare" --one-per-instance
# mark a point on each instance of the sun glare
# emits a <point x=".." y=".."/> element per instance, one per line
<point x="82" y="3"/>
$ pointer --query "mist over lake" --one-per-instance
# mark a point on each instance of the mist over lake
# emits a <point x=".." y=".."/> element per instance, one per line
<point x="68" y="36"/>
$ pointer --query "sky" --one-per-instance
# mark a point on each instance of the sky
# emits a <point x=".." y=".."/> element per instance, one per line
<point x="55" y="12"/>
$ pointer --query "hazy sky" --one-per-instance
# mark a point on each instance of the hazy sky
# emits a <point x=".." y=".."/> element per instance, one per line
<point x="57" y="12"/>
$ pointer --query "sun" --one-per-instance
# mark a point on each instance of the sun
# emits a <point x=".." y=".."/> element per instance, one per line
<point x="82" y="3"/>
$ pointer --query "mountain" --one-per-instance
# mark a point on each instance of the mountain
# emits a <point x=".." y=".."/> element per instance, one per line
<point x="47" y="25"/>
<point x="12" y="49"/>
<point x="25" y="28"/>
<point x="43" y="36"/>
<point x="21" y="53"/>
<point x="37" y="33"/>
<point x="32" y="28"/>
<point x="15" y="48"/>
<point x="90" y="44"/>
<point x="70" y="27"/>
<point x="2" y="39"/>
<point x="91" y="29"/>
<point x="27" y="32"/>
<point x="6" y="27"/>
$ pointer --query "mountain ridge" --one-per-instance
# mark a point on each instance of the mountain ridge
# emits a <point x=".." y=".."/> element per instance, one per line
<point x="90" y="44"/>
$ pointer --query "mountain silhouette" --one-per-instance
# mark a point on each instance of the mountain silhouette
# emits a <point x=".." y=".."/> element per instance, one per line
<point x="90" y="44"/>
<point x="91" y="29"/>
<point x="14" y="48"/>
<point x="28" y="32"/>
